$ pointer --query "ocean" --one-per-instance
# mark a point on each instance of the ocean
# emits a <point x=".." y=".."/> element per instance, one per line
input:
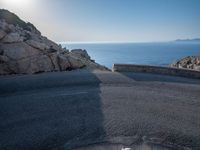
<point x="161" y="54"/>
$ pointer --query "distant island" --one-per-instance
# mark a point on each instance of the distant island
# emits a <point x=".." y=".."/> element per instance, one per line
<point x="188" y="40"/>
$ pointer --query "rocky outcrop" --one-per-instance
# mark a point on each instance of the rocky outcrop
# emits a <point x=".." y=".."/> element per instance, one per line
<point x="23" y="50"/>
<point x="190" y="62"/>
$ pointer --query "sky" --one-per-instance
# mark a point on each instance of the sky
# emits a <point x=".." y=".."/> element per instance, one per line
<point x="110" y="20"/>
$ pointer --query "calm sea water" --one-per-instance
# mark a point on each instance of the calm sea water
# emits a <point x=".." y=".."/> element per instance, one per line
<point x="137" y="53"/>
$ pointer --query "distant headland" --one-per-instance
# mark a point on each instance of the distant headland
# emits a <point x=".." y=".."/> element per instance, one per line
<point x="188" y="40"/>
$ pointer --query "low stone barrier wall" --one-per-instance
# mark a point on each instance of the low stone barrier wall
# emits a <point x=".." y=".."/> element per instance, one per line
<point x="156" y="69"/>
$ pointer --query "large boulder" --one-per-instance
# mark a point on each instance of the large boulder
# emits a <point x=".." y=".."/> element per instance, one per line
<point x="23" y="50"/>
<point x="76" y="62"/>
<point x="17" y="51"/>
<point x="55" y="61"/>
<point x="64" y="63"/>
<point x="12" y="38"/>
<point x="35" y="64"/>
<point x="190" y="62"/>
<point x="38" y="45"/>
<point x="2" y="34"/>
<point x="80" y="53"/>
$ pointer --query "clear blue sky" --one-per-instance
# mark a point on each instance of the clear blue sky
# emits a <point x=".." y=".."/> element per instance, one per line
<point x="111" y="20"/>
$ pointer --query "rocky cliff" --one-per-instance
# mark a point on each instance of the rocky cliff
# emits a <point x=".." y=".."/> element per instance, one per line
<point x="190" y="62"/>
<point x="23" y="50"/>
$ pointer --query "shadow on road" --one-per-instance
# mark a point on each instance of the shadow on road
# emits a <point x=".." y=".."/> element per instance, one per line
<point x="46" y="111"/>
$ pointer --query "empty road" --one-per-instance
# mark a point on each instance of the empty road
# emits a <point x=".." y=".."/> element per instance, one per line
<point x="71" y="109"/>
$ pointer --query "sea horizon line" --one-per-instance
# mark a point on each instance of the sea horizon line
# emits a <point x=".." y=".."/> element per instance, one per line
<point x="108" y="42"/>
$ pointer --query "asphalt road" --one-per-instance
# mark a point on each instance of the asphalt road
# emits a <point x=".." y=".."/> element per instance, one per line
<point x="71" y="109"/>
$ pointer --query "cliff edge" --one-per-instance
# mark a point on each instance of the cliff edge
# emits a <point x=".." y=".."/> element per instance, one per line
<point x="23" y="50"/>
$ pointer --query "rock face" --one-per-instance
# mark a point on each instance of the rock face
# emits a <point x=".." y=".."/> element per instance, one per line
<point x="190" y="62"/>
<point x="23" y="50"/>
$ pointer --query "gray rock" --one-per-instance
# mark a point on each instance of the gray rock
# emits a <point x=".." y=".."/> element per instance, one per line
<point x="52" y="50"/>
<point x="64" y="63"/>
<point x="4" y="59"/>
<point x="80" y="53"/>
<point x="2" y="34"/>
<point x="3" y="25"/>
<point x="76" y="62"/>
<point x="23" y="50"/>
<point x="17" y="51"/>
<point x="37" y="45"/>
<point x="35" y="64"/>
<point x="4" y="70"/>
<point x="12" y="38"/>
<point x="190" y="62"/>
<point x="55" y="61"/>
<point x="12" y="28"/>
<point x="51" y="44"/>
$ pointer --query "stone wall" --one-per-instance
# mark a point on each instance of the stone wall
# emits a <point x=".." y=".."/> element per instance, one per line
<point x="156" y="69"/>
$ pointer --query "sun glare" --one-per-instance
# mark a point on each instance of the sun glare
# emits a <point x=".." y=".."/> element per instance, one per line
<point x="17" y="3"/>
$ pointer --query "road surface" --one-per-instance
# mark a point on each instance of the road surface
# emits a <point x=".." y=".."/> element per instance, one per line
<point x="71" y="109"/>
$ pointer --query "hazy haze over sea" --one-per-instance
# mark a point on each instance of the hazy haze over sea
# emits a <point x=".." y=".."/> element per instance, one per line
<point x="137" y="53"/>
